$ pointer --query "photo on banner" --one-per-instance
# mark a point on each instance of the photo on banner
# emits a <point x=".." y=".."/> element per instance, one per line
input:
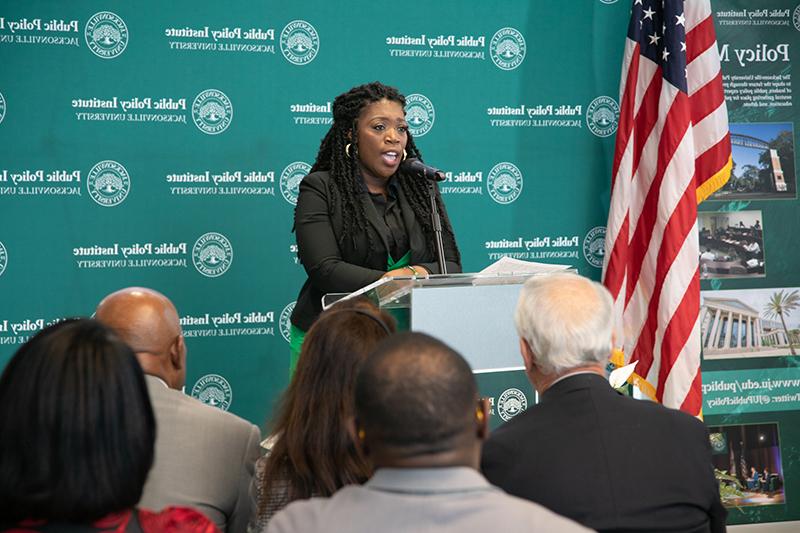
<point x="731" y="244"/>
<point x="763" y="163"/>
<point x="748" y="465"/>
<point x="737" y="324"/>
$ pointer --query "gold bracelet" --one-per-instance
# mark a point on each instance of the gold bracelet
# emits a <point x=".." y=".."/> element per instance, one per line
<point x="413" y="270"/>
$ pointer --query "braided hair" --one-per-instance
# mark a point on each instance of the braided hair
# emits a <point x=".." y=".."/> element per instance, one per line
<point x="344" y="170"/>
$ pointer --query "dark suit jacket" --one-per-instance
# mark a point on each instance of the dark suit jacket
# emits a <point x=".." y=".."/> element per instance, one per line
<point x="332" y="267"/>
<point x="608" y="461"/>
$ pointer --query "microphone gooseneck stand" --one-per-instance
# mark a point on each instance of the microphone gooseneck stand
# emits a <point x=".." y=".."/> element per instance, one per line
<point x="432" y="175"/>
<point x="437" y="227"/>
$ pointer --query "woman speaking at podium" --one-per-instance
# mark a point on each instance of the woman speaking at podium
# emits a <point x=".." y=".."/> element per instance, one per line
<point x="359" y="215"/>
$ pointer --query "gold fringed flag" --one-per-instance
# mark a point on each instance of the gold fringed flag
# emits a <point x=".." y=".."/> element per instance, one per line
<point x="672" y="151"/>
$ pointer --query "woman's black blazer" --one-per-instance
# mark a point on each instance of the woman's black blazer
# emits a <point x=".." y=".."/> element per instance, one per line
<point x="347" y="266"/>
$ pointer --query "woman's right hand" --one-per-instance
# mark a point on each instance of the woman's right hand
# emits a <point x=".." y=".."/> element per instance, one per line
<point x="405" y="271"/>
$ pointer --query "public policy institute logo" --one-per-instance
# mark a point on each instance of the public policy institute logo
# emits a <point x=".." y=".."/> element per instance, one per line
<point x="602" y="116"/>
<point x="106" y="35"/>
<point x="290" y="180"/>
<point x="284" y="323"/>
<point x="504" y="183"/>
<point x="507" y="48"/>
<point x="2" y="108"/>
<point x="213" y="390"/>
<point x="796" y="18"/>
<point x="212" y="254"/>
<point x="511" y="403"/>
<point x="3" y="258"/>
<point x="299" y="42"/>
<point x="718" y="442"/>
<point x="420" y="114"/>
<point x="594" y="246"/>
<point x="108" y="183"/>
<point x="212" y="111"/>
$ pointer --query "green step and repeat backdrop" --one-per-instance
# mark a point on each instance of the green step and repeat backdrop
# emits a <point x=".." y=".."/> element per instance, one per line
<point x="162" y="145"/>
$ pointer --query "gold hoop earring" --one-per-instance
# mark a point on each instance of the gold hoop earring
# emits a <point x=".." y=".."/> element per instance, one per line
<point x="405" y="154"/>
<point x="347" y="150"/>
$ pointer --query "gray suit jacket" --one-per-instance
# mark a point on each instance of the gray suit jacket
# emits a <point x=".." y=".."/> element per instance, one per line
<point x="456" y="499"/>
<point x="204" y="459"/>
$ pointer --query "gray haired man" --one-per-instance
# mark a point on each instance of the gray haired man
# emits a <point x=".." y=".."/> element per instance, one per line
<point x="585" y="451"/>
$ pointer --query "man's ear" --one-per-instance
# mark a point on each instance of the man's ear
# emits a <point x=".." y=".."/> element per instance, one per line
<point x="356" y="431"/>
<point x="177" y="353"/>
<point x="482" y="412"/>
<point x="527" y="355"/>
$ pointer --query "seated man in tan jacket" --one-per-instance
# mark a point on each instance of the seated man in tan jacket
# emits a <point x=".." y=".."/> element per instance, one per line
<point x="204" y="457"/>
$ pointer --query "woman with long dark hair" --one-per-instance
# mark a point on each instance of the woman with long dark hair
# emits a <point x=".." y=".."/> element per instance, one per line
<point x="77" y="435"/>
<point x="359" y="216"/>
<point x="312" y="452"/>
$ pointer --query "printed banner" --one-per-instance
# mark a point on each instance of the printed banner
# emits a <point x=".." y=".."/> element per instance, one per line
<point x="751" y="391"/>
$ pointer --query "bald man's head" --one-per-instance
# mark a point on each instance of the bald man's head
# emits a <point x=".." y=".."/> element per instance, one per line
<point x="148" y="322"/>
<point x="416" y="398"/>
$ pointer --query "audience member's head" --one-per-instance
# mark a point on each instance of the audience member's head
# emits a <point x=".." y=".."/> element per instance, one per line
<point x="417" y="405"/>
<point x="76" y="424"/>
<point x="313" y="452"/>
<point x="564" y="322"/>
<point x="149" y="323"/>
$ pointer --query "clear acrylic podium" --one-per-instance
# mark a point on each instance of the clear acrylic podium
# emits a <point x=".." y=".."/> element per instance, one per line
<point x="473" y="313"/>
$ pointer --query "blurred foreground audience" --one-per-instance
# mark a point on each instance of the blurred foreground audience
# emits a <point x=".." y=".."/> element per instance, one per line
<point x="77" y="437"/>
<point x="419" y="420"/>
<point x="312" y="453"/>
<point x="376" y="431"/>
<point x="585" y="451"/>
<point x="205" y="457"/>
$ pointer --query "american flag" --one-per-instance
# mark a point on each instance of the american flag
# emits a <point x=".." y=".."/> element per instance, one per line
<point x="672" y="151"/>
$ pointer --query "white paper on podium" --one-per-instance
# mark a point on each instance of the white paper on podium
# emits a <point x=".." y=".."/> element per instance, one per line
<point x="508" y="266"/>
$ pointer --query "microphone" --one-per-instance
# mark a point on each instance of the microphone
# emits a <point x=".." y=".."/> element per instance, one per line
<point x="417" y="168"/>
